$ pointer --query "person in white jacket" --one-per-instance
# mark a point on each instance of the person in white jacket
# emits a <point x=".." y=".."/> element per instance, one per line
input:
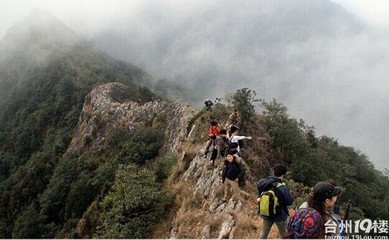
<point x="234" y="137"/>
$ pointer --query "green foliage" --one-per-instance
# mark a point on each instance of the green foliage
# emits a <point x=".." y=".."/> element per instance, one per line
<point x="37" y="120"/>
<point x="243" y="100"/>
<point x="285" y="131"/>
<point x="134" y="205"/>
<point x="163" y="167"/>
<point x="313" y="159"/>
<point x="219" y="112"/>
<point x="30" y="224"/>
<point x="137" y="148"/>
<point x="193" y="120"/>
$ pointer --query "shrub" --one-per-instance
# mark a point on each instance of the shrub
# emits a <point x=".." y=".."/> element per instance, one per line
<point x="134" y="205"/>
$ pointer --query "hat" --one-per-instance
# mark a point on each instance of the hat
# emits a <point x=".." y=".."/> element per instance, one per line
<point x="324" y="190"/>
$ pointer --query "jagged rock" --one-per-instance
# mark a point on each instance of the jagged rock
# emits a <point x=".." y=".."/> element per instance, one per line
<point x="106" y="107"/>
<point x="231" y="236"/>
<point x="207" y="179"/>
<point x="206" y="232"/>
<point x="214" y="204"/>
<point x="207" y="182"/>
<point x="239" y="206"/>
<point x="173" y="233"/>
<point x="226" y="227"/>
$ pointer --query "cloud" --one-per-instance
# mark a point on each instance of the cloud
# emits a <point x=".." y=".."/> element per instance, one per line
<point x="375" y="12"/>
<point x="324" y="63"/>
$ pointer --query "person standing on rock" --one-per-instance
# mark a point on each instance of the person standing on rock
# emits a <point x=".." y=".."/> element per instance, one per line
<point x="208" y="104"/>
<point x="235" y="137"/>
<point x="214" y="131"/>
<point x="220" y="149"/>
<point x="233" y="170"/>
<point x="274" y="199"/>
<point x="234" y="118"/>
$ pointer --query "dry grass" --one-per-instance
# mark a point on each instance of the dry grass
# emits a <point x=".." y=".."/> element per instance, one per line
<point x="163" y="228"/>
<point x="246" y="226"/>
<point x="190" y="213"/>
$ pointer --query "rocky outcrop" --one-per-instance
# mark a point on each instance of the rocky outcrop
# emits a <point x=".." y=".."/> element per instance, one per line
<point x="203" y="213"/>
<point x="208" y="186"/>
<point x="107" y="107"/>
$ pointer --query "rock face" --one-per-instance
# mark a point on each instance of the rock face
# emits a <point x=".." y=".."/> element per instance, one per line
<point x="203" y="212"/>
<point x="107" y="107"/>
<point x="208" y="186"/>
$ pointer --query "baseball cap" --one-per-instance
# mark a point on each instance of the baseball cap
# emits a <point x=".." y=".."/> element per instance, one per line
<point x="324" y="190"/>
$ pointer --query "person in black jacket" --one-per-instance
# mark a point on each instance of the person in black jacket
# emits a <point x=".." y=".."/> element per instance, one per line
<point x="233" y="170"/>
<point x="285" y="199"/>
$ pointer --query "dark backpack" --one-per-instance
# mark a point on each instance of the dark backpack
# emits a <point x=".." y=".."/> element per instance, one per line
<point x="304" y="223"/>
<point x="232" y="145"/>
<point x="269" y="200"/>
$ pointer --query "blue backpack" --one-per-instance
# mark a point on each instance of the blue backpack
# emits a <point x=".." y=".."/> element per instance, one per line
<point x="304" y="223"/>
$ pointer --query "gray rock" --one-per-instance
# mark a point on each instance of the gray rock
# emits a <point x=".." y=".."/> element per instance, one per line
<point x="106" y="107"/>
<point x="226" y="227"/>
<point x="206" y="232"/>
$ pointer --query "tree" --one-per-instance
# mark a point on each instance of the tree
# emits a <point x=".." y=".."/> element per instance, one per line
<point x="135" y="203"/>
<point x="29" y="224"/>
<point x="243" y="100"/>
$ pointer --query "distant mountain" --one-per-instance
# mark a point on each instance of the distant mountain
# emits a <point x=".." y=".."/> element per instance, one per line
<point x="88" y="151"/>
<point x="46" y="71"/>
<point x="31" y="43"/>
<point x="324" y="63"/>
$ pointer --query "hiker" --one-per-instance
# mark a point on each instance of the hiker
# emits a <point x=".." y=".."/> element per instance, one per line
<point x="237" y="139"/>
<point x="233" y="170"/>
<point x="234" y="118"/>
<point x="220" y="148"/>
<point x="214" y="131"/>
<point x="274" y="199"/>
<point x="217" y="100"/>
<point x="313" y="219"/>
<point x="208" y="104"/>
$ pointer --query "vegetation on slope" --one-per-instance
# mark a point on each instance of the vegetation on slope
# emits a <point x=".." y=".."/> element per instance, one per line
<point x="36" y="126"/>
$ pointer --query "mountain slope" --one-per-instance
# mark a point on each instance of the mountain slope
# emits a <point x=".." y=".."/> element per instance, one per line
<point x="45" y="78"/>
<point x="86" y="151"/>
<point x="31" y="43"/>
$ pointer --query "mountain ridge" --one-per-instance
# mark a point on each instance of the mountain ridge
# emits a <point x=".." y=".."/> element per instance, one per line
<point x="88" y="151"/>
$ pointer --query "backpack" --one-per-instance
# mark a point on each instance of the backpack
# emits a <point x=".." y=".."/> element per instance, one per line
<point x="232" y="145"/>
<point x="269" y="201"/>
<point x="304" y="223"/>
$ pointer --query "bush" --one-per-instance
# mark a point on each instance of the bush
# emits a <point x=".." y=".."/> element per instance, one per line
<point x="134" y="205"/>
<point x="243" y="100"/>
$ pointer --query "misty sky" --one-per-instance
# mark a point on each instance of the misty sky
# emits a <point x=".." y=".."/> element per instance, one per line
<point x="328" y="65"/>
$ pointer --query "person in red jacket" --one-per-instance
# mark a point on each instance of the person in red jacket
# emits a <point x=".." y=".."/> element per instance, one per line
<point x="214" y="131"/>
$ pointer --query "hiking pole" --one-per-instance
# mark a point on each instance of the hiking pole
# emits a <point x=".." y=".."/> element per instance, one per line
<point x="348" y="209"/>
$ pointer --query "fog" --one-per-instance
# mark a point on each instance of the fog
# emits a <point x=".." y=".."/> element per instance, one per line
<point x="328" y="65"/>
